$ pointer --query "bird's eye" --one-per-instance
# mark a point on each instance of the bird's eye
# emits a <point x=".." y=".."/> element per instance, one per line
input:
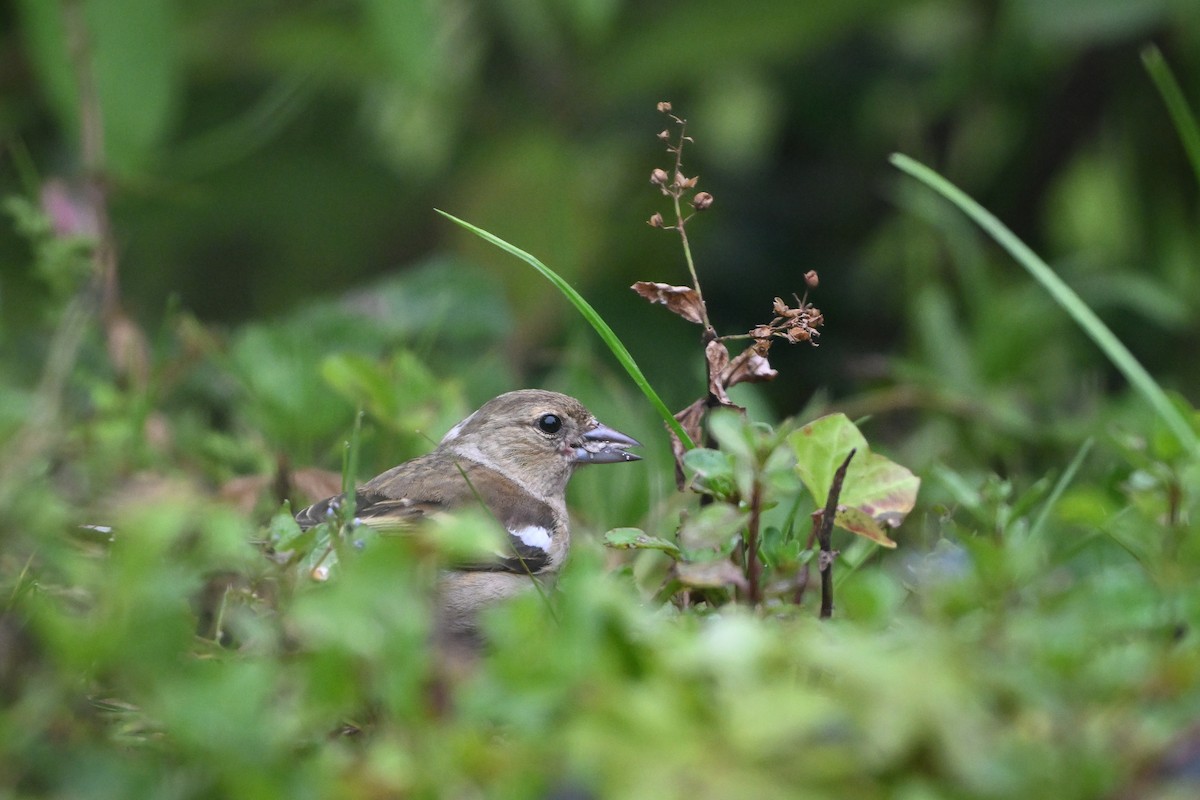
<point x="549" y="423"/>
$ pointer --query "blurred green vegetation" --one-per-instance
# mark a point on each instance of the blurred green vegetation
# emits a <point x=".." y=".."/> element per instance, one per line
<point x="267" y="173"/>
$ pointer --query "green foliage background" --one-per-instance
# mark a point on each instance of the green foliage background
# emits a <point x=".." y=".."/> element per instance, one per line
<point x="271" y="171"/>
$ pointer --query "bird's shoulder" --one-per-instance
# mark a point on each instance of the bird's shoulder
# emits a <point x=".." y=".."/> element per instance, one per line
<point x="442" y="483"/>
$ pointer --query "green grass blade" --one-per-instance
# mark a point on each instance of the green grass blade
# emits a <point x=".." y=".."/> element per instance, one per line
<point x="607" y="335"/>
<point x="1064" y="295"/>
<point x="1060" y="486"/>
<point x="1176" y="103"/>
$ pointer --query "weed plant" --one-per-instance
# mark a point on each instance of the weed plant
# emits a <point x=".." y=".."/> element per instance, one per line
<point x="1031" y="636"/>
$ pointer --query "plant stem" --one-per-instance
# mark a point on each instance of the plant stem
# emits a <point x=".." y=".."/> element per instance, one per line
<point x="824" y="530"/>
<point x="753" y="562"/>
<point x="680" y="223"/>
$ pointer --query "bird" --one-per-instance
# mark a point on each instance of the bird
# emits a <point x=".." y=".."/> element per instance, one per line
<point x="515" y="456"/>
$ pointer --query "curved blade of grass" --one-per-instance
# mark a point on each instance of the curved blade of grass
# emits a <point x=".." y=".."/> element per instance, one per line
<point x="1064" y="295"/>
<point x="1176" y="103"/>
<point x="607" y="335"/>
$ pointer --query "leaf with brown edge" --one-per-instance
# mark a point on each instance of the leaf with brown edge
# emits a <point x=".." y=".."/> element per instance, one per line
<point x="858" y="520"/>
<point x="881" y="488"/>
<point x="877" y="487"/>
<point x="683" y="300"/>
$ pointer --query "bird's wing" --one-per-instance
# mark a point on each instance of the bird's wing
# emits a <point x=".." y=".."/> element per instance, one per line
<point x="416" y="490"/>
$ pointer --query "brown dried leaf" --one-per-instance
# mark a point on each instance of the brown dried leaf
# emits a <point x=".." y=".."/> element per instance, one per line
<point x="683" y="300"/>
<point x="244" y="491"/>
<point x="316" y="484"/>
<point x="797" y="334"/>
<point x="718" y="362"/>
<point x="690" y="419"/>
<point x="749" y="367"/>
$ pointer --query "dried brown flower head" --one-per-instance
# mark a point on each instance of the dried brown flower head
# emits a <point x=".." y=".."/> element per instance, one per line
<point x="795" y="324"/>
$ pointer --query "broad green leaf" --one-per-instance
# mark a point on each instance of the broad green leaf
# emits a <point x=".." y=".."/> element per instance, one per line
<point x="712" y="471"/>
<point x="875" y="488"/>
<point x="733" y="434"/>
<point x="821" y="446"/>
<point x="132" y="65"/>
<point x="712" y="526"/>
<point x="135" y="61"/>
<point x="362" y="381"/>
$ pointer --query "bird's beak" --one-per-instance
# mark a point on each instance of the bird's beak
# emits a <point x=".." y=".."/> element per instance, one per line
<point x="603" y="445"/>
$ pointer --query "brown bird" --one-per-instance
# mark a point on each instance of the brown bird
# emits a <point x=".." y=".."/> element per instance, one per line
<point x="514" y="455"/>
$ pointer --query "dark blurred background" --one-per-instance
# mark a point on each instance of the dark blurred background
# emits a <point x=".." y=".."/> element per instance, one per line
<point x="265" y="156"/>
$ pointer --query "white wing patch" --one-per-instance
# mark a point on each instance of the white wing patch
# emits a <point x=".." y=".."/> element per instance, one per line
<point x="533" y="536"/>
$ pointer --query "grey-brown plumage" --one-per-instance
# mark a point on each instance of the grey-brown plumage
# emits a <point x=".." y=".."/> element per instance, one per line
<point x="515" y="455"/>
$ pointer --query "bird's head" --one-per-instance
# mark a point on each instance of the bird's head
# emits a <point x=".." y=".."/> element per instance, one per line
<point x="537" y="438"/>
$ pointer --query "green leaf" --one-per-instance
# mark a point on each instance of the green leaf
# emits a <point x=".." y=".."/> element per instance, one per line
<point x="821" y="446"/>
<point x="362" y="381"/>
<point x="732" y="433"/>
<point x="877" y="493"/>
<point x="712" y="526"/>
<point x="636" y="539"/>
<point x="135" y="50"/>
<point x="713" y="471"/>
<point x="468" y="536"/>
<point x="131" y="70"/>
<point x="284" y="532"/>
